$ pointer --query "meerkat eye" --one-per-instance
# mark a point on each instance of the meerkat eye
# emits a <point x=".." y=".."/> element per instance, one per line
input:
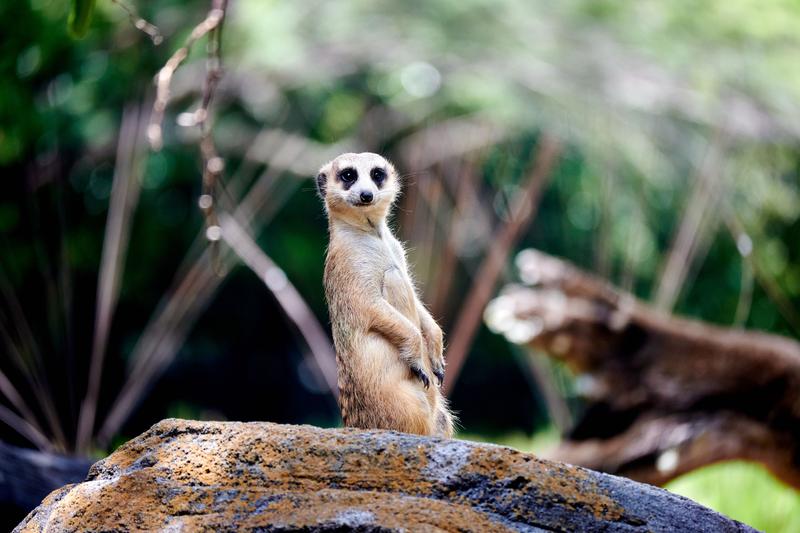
<point x="378" y="175"/>
<point x="348" y="175"/>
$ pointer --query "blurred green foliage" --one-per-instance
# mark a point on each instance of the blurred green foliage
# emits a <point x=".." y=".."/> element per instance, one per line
<point x="745" y="492"/>
<point x="80" y="17"/>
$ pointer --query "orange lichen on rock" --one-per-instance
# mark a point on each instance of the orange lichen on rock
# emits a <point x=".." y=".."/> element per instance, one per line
<point x="213" y="476"/>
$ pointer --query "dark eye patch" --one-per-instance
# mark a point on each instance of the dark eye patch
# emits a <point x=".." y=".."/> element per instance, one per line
<point x="378" y="175"/>
<point x="348" y="176"/>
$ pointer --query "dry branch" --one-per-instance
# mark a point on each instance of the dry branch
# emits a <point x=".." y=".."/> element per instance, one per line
<point x="15" y="398"/>
<point x="767" y="281"/>
<point x="26" y="356"/>
<point x="196" y="283"/>
<point x="694" y="228"/>
<point x="486" y="278"/>
<point x="194" y="287"/>
<point x="124" y="198"/>
<point x="290" y="300"/>
<point x="665" y="395"/>
<point x="141" y="24"/>
<point x="25" y="428"/>
<point x="164" y="77"/>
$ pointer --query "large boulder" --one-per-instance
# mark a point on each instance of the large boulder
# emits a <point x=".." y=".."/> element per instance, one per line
<point x="194" y="476"/>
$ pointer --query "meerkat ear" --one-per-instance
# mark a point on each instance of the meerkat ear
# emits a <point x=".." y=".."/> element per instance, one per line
<point x="399" y="179"/>
<point x="322" y="179"/>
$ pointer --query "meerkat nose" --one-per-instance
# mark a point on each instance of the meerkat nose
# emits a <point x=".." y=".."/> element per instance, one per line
<point x="366" y="197"/>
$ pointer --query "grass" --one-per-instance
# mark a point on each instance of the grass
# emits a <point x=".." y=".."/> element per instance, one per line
<point x="744" y="491"/>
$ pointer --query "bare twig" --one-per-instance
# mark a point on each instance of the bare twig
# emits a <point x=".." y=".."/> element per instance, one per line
<point x="774" y="291"/>
<point x="745" y="301"/>
<point x="289" y="299"/>
<point x="25" y="428"/>
<point x="191" y="292"/>
<point x="161" y="339"/>
<point x="449" y="139"/>
<point x="486" y="278"/>
<point x="124" y="197"/>
<point x="557" y="407"/>
<point x="430" y="190"/>
<point x="602" y="253"/>
<point x="194" y="287"/>
<point x="699" y="209"/>
<point x="213" y="164"/>
<point x="164" y="77"/>
<point x="449" y="261"/>
<point x="169" y="333"/>
<point x="141" y="24"/>
<point x="31" y="366"/>
<point x="16" y="399"/>
<point x="196" y="281"/>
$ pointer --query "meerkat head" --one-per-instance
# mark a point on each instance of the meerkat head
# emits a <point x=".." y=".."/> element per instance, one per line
<point x="359" y="188"/>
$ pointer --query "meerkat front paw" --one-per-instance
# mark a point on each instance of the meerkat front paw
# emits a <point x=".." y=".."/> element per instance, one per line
<point x="420" y="374"/>
<point x="436" y="360"/>
<point x="439" y="373"/>
<point x="434" y="347"/>
<point x="412" y="354"/>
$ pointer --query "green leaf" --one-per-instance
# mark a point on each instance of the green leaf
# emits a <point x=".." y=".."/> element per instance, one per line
<point x="80" y="17"/>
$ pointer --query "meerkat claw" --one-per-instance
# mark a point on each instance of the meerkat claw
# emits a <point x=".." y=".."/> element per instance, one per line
<point x="439" y="373"/>
<point x="421" y="375"/>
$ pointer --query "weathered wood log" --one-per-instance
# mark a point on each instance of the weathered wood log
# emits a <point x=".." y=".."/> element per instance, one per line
<point x="227" y="476"/>
<point x="665" y="395"/>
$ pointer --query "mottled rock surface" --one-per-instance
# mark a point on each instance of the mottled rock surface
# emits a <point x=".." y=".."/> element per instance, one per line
<point x="222" y="476"/>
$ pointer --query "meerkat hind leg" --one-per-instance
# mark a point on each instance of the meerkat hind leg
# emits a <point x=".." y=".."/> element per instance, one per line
<point x="444" y="421"/>
<point x="399" y="405"/>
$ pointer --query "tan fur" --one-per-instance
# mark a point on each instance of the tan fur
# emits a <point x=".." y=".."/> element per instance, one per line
<point x="386" y="340"/>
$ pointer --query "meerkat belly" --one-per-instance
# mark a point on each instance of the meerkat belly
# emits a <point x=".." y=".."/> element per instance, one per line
<point x="395" y="401"/>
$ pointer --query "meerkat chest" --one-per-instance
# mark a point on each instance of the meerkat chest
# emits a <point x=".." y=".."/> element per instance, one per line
<point x="377" y="261"/>
<point x="382" y="259"/>
<point x="396" y="286"/>
<point x="370" y="255"/>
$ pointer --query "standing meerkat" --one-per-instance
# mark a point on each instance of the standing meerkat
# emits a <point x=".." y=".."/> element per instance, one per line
<point x="388" y="346"/>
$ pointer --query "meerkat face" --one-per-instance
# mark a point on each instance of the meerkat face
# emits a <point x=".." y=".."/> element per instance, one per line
<point x="362" y="185"/>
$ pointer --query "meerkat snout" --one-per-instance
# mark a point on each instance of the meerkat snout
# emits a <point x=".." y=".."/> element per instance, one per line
<point x="365" y="197"/>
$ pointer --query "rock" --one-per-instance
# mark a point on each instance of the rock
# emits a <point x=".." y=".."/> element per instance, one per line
<point x="222" y="476"/>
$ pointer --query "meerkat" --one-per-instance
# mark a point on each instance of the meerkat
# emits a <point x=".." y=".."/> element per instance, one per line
<point x="389" y="349"/>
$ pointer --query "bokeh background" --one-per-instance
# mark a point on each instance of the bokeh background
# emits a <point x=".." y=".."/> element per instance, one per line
<point x="667" y="115"/>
